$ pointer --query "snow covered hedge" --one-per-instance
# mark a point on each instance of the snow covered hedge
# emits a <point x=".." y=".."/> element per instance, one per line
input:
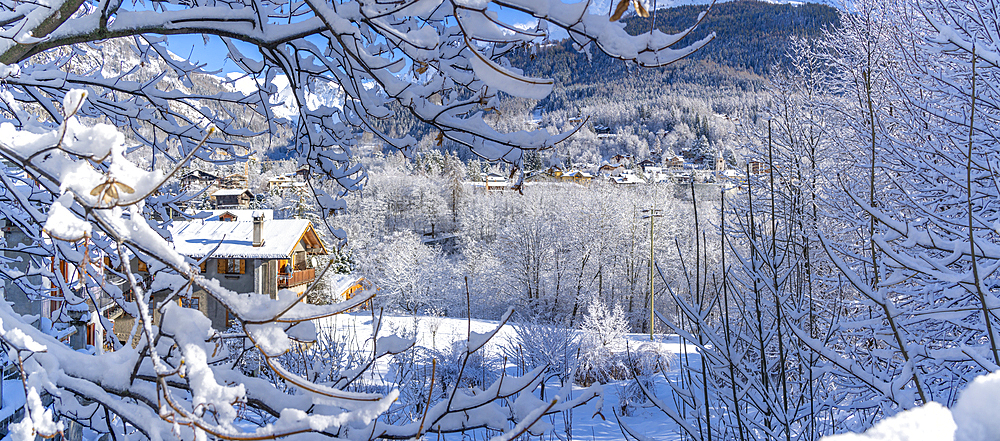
<point x="974" y="417"/>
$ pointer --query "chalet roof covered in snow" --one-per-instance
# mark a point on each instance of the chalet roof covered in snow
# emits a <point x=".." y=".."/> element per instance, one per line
<point x="199" y="174"/>
<point x="198" y="238"/>
<point x="231" y="192"/>
<point x="239" y="215"/>
<point x="627" y="179"/>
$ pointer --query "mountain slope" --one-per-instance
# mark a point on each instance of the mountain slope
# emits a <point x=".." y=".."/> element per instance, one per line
<point x="750" y="35"/>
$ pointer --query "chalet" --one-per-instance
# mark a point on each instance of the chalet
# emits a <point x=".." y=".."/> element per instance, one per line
<point x="302" y="173"/>
<point x="198" y="178"/>
<point x="554" y="171"/>
<point x="233" y="181"/>
<point x="496" y="181"/>
<point x="262" y="256"/>
<point x="601" y="129"/>
<point x="674" y="161"/>
<point x="346" y="286"/>
<point x="537" y="175"/>
<point x="235" y="215"/>
<point x="35" y="293"/>
<point x="278" y="181"/>
<point x="624" y="160"/>
<point x="232" y="198"/>
<point x="758" y="168"/>
<point x="646" y="163"/>
<point x="611" y="169"/>
<point x="283" y="184"/>
<point x="577" y="176"/>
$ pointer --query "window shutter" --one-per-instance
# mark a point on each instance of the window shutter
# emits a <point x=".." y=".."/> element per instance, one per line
<point x="243" y="266"/>
<point x="222" y="266"/>
<point x="203" y="267"/>
<point x="142" y="267"/>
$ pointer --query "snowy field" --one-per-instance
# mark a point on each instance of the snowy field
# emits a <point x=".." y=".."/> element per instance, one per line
<point x="648" y="422"/>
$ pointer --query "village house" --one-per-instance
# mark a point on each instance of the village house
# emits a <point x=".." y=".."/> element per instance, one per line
<point x="577" y="176"/>
<point x="614" y="169"/>
<point x="36" y="294"/>
<point x="261" y="256"/>
<point x="758" y="168"/>
<point x="232" y="198"/>
<point x="675" y="161"/>
<point x="347" y="286"/>
<point x="624" y="160"/>
<point x="233" y="181"/>
<point x="285" y="184"/>
<point x="554" y="171"/>
<point x="646" y="163"/>
<point x="198" y="179"/>
<point x="496" y="181"/>
<point x="232" y="215"/>
<point x="302" y="173"/>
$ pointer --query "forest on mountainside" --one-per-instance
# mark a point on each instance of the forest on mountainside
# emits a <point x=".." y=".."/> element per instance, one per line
<point x="690" y="105"/>
<point x="751" y="36"/>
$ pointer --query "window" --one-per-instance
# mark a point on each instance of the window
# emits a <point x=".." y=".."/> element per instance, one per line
<point x="227" y="217"/>
<point x="300" y="260"/>
<point x="193" y="302"/>
<point x="231" y="266"/>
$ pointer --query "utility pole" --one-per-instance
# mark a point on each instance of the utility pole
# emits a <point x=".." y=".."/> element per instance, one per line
<point x="651" y="214"/>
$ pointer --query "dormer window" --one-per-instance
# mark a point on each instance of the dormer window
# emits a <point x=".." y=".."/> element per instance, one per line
<point x="227" y="217"/>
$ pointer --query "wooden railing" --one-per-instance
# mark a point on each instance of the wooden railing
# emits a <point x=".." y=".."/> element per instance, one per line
<point x="296" y="278"/>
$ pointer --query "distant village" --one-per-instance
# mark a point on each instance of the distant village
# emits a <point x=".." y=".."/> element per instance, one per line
<point x="626" y="170"/>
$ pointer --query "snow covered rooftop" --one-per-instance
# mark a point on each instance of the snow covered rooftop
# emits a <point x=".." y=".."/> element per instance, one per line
<point x="230" y="192"/>
<point x="240" y="215"/>
<point x="342" y="282"/>
<point x="627" y="178"/>
<point x="198" y="238"/>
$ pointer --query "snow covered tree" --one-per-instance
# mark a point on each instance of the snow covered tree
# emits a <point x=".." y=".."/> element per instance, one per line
<point x="861" y="277"/>
<point x="72" y="70"/>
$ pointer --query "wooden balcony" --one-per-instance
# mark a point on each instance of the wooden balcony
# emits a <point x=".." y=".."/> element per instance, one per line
<point x="297" y="277"/>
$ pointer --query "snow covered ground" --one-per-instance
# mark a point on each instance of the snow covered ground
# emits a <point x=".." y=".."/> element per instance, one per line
<point x="648" y="422"/>
<point x="972" y="418"/>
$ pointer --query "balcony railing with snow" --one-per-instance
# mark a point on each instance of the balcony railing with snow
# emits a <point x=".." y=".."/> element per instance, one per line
<point x="297" y="277"/>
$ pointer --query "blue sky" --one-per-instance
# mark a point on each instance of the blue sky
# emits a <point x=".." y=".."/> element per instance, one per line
<point x="213" y="54"/>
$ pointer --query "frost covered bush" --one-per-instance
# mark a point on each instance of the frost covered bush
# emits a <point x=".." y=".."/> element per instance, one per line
<point x="478" y="371"/>
<point x="602" y="348"/>
<point x="648" y="360"/>
<point x="974" y="417"/>
<point x="410" y="371"/>
<point x="537" y="342"/>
